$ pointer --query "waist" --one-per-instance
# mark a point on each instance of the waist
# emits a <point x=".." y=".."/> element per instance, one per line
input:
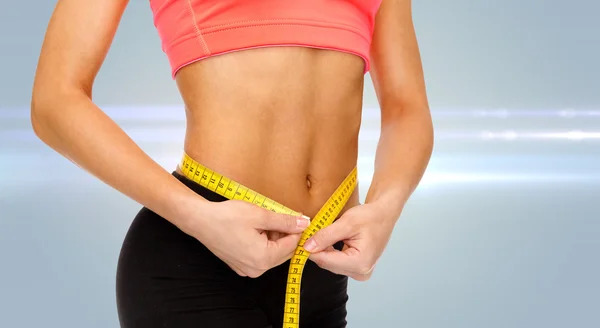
<point x="298" y="170"/>
<point x="283" y="122"/>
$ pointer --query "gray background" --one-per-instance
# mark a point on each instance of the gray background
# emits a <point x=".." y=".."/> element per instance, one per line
<point x="503" y="231"/>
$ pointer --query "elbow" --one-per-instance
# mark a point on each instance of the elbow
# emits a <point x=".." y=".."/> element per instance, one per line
<point x="421" y="115"/>
<point x="429" y="126"/>
<point x="424" y="131"/>
<point x="416" y="114"/>
<point x="40" y="111"/>
<point x="44" y="109"/>
<point x="415" y="117"/>
<point x="36" y="111"/>
<point x="427" y="129"/>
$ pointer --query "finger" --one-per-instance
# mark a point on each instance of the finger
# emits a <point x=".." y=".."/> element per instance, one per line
<point x="328" y="236"/>
<point x="283" y="223"/>
<point x="344" y="262"/>
<point x="282" y="249"/>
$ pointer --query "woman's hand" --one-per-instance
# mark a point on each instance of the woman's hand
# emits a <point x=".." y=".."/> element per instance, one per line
<point x="365" y="230"/>
<point x="237" y="233"/>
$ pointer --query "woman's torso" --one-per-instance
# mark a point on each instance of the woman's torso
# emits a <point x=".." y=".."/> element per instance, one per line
<point x="283" y="121"/>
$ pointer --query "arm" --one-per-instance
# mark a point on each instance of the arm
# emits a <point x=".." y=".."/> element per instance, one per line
<point x="406" y="141"/>
<point x="402" y="155"/>
<point x="64" y="117"/>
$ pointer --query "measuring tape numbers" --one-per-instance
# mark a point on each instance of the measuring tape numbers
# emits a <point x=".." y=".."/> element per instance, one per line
<point x="230" y="189"/>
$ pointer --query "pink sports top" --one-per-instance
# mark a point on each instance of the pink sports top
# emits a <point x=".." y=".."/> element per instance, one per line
<point x="191" y="30"/>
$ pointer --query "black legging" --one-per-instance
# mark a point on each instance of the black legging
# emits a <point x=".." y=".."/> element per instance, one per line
<point x="166" y="278"/>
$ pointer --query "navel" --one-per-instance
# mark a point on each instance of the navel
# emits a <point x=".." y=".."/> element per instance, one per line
<point x="308" y="181"/>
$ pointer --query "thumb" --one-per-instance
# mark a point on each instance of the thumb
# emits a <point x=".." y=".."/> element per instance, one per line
<point x="285" y="223"/>
<point x="322" y="239"/>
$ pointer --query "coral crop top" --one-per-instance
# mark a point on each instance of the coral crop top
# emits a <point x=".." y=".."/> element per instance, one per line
<point x="191" y="30"/>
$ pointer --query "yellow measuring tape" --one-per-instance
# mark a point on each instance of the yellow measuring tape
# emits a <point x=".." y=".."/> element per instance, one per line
<point x="326" y="215"/>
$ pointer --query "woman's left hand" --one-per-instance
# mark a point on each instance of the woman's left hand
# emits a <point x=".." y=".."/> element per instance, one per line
<point x="365" y="231"/>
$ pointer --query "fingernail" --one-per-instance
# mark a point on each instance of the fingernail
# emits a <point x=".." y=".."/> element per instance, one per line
<point x="302" y="222"/>
<point x="310" y="245"/>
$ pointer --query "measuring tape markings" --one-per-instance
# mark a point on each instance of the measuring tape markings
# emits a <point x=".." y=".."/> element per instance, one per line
<point x="324" y="217"/>
<point x="230" y="189"/>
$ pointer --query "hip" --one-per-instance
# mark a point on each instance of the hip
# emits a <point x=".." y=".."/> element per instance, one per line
<point x="166" y="277"/>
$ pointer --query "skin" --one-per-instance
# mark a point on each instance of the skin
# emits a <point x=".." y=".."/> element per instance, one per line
<point x="275" y="104"/>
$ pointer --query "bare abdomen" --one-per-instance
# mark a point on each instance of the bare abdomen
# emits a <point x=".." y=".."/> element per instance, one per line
<point x="282" y="121"/>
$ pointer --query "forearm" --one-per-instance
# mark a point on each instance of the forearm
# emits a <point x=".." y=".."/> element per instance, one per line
<point x="402" y="155"/>
<point x="77" y="129"/>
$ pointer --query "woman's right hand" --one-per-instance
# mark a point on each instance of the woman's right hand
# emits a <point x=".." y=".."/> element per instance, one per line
<point x="237" y="233"/>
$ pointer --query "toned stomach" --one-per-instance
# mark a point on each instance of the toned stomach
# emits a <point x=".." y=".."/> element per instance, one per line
<point x="283" y="121"/>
